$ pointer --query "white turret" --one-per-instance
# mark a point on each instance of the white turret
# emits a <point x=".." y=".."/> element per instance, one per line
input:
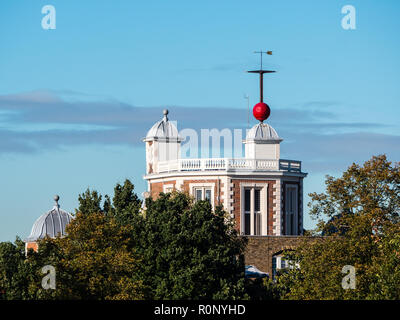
<point x="262" y="142"/>
<point x="162" y="143"/>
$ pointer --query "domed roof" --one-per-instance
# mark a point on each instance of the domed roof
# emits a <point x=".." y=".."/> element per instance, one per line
<point x="163" y="130"/>
<point x="52" y="224"/>
<point x="263" y="132"/>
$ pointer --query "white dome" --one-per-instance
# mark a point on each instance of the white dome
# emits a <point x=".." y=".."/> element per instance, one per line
<point x="51" y="224"/>
<point x="163" y="130"/>
<point x="263" y="132"/>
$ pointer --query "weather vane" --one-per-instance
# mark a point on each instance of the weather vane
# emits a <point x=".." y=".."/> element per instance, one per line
<point x="261" y="53"/>
<point x="261" y="72"/>
<point x="261" y="110"/>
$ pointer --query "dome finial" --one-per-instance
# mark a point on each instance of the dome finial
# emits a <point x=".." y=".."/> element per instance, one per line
<point x="56" y="198"/>
<point x="165" y="113"/>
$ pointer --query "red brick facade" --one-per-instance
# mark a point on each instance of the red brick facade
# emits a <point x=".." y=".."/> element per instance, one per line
<point x="157" y="187"/>
<point x="32" y="245"/>
<point x="233" y="196"/>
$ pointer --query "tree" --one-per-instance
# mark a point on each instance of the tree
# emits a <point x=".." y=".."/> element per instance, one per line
<point x="371" y="189"/>
<point x="126" y="204"/>
<point x="190" y="251"/>
<point x="89" y="202"/>
<point x="173" y="249"/>
<point x="264" y="289"/>
<point x="385" y="279"/>
<point x="359" y="215"/>
<point x="93" y="262"/>
<point x="13" y="271"/>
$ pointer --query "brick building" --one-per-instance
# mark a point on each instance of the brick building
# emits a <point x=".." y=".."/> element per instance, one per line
<point x="261" y="191"/>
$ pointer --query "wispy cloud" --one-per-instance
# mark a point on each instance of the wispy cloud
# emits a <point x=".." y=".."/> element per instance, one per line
<point x="41" y="120"/>
<point x="319" y="104"/>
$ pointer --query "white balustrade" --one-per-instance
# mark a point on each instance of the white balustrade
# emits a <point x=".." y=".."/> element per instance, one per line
<point x="225" y="164"/>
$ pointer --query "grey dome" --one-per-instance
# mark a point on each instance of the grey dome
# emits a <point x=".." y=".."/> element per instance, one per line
<point x="163" y="130"/>
<point x="51" y="224"/>
<point x="263" y="132"/>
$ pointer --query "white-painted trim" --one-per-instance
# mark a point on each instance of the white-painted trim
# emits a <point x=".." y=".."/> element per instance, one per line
<point x="162" y="180"/>
<point x="226" y="191"/>
<point x="264" y="212"/>
<point x="277" y="209"/>
<point x="239" y="175"/>
<point x="252" y="225"/>
<point x="263" y="206"/>
<point x="168" y="186"/>
<point x="179" y="184"/>
<point x="207" y="185"/>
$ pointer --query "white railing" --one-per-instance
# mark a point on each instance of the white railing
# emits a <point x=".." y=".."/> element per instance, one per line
<point x="226" y="164"/>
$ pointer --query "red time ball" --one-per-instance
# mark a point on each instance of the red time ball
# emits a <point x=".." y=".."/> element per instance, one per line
<point x="261" y="111"/>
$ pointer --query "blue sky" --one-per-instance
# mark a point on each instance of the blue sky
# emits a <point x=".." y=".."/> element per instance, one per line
<point x="75" y="101"/>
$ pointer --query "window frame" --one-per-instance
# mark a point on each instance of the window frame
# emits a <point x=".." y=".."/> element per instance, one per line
<point x="291" y="209"/>
<point x="259" y="227"/>
<point x="203" y="186"/>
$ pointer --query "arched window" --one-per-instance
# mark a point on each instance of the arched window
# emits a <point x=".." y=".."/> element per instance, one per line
<point x="280" y="263"/>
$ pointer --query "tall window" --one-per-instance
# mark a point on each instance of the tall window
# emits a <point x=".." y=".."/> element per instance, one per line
<point x="247" y="208"/>
<point x="257" y="212"/>
<point x="252" y="211"/>
<point x="291" y="210"/>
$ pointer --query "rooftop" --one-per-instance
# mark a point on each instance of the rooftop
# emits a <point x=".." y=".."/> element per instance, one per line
<point x="163" y="130"/>
<point x="51" y="224"/>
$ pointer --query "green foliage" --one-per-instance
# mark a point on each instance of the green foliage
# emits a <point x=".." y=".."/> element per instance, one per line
<point x="362" y="210"/>
<point x="189" y="251"/>
<point x="13" y="271"/>
<point x="371" y="189"/>
<point x="93" y="262"/>
<point x="124" y="207"/>
<point x="97" y="254"/>
<point x="264" y="289"/>
<point x="175" y="249"/>
<point x="385" y="271"/>
<point x="126" y="204"/>
<point x="89" y="202"/>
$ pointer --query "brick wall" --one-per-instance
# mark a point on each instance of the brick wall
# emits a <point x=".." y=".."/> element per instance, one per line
<point x="157" y="187"/>
<point x="31" y="245"/>
<point x="261" y="249"/>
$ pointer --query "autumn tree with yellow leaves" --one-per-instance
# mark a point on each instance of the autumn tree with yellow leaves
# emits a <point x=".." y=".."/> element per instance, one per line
<point x="95" y="261"/>
<point x="359" y="217"/>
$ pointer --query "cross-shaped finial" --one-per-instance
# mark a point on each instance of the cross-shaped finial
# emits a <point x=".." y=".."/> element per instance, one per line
<point x="261" y="53"/>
